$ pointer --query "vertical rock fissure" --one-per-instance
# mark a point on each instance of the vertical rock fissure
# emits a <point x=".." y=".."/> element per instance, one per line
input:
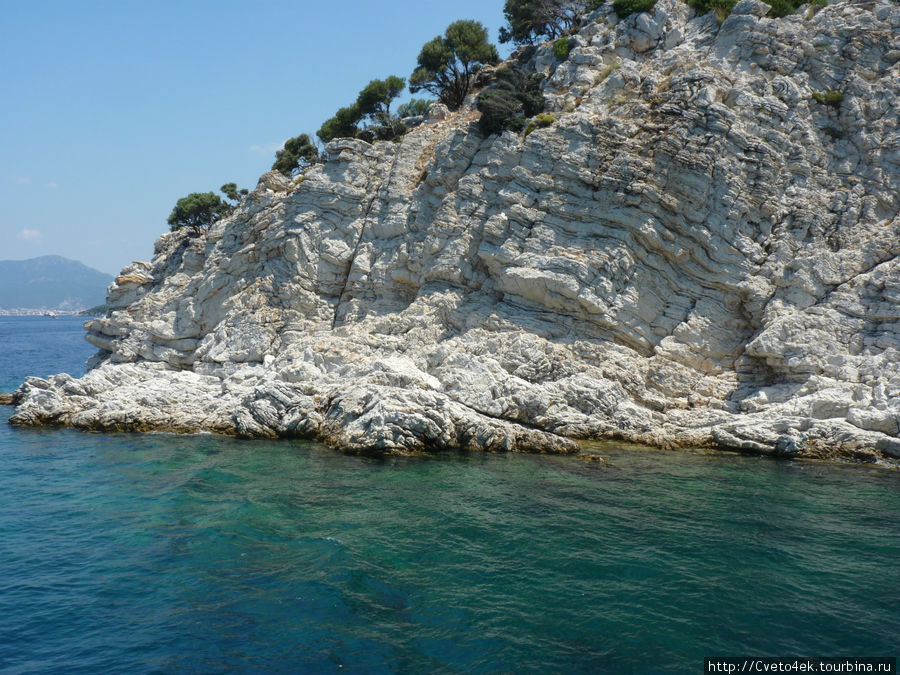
<point x="362" y="233"/>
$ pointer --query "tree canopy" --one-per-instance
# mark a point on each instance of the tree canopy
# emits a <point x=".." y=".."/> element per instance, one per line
<point x="448" y="63"/>
<point x="297" y="154"/>
<point x="341" y="125"/>
<point x="530" y="20"/>
<point x="231" y="191"/>
<point x="375" y="98"/>
<point x="515" y="97"/>
<point x="198" y="211"/>
<point x="414" y="107"/>
<point x="372" y="109"/>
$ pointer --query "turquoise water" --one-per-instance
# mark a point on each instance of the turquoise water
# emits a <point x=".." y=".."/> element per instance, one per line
<point x="159" y="553"/>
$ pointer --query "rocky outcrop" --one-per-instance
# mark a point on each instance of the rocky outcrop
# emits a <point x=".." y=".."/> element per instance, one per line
<point x="696" y="253"/>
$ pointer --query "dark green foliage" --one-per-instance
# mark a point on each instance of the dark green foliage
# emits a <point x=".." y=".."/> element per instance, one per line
<point x="374" y="105"/>
<point x="591" y="5"/>
<point x="230" y="190"/>
<point x="833" y="97"/>
<point x="516" y="124"/>
<point x="498" y="108"/>
<point x="198" y="211"/>
<point x="372" y="109"/>
<point x="531" y="20"/>
<point x="625" y="8"/>
<point x="562" y="47"/>
<point x="342" y="125"/>
<point x="297" y="154"/>
<point x="722" y="8"/>
<point x="515" y="96"/>
<point x="376" y="97"/>
<point x="779" y="8"/>
<point x="383" y="128"/>
<point x="782" y="8"/>
<point x="414" y="107"/>
<point x="447" y="64"/>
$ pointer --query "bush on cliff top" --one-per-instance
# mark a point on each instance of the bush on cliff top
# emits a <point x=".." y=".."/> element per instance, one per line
<point x="369" y="117"/>
<point x="297" y="154"/>
<point x="515" y="97"/>
<point x="625" y="8"/>
<point x="722" y="8"/>
<point x="414" y="107"/>
<point x="231" y="191"/>
<point x="198" y="211"/>
<point x="531" y="20"/>
<point x="447" y="65"/>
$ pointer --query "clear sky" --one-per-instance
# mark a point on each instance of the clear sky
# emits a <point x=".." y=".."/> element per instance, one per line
<point x="112" y="110"/>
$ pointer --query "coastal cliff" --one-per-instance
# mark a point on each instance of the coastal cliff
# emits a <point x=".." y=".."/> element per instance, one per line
<point x="700" y="250"/>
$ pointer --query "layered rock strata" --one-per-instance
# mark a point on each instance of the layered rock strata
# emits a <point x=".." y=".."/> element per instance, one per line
<point x="696" y="253"/>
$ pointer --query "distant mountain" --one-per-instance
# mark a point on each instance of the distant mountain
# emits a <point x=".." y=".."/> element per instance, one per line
<point x="51" y="282"/>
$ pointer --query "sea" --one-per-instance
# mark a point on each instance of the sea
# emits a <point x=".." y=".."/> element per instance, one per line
<point x="158" y="553"/>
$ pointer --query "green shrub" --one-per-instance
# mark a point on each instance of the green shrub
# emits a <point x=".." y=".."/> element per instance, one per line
<point x="516" y="124"/>
<point x="197" y="211"/>
<point x="625" y="8"/>
<point x="414" y="107"/>
<point x="231" y="191"/>
<point x="342" y="125"/>
<point x="833" y="97"/>
<point x="372" y="110"/>
<point x="531" y="20"/>
<point x="515" y="96"/>
<point x="562" y="47"/>
<point x="448" y="64"/>
<point x="722" y="8"/>
<point x="498" y="107"/>
<point x="297" y="154"/>
<point x="782" y="8"/>
<point x="540" y="122"/>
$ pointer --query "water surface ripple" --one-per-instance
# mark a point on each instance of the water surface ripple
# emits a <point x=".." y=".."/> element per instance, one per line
<point x="152" y="553"/>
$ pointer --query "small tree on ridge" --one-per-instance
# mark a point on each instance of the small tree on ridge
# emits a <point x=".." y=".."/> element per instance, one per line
<point x="447" y="64"/>
<point x="197" y="211"/>
<point x="297" y="154"/>
<point x="529" y="20"/>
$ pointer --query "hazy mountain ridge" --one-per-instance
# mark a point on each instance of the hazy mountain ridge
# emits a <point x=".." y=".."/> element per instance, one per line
<point x="51" y="282"/>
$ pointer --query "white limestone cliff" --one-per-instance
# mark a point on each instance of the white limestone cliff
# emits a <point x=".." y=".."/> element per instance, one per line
<point x="696" y="253"/>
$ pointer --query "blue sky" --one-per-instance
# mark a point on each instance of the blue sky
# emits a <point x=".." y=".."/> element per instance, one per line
<point x="111" y="111"/>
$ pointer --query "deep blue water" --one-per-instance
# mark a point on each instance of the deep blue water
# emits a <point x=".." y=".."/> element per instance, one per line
<point x="161" y="553"/>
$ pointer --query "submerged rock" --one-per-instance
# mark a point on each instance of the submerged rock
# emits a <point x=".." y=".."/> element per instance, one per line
<point x="696" y="252"/>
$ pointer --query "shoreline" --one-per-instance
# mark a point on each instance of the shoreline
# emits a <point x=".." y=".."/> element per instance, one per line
<point x="585" y="450"/>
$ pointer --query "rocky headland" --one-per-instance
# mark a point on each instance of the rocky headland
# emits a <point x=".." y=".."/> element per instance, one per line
<point x="700" y="250"/>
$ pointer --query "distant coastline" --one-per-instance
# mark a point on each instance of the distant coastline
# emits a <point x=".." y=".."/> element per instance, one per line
<point x="30" y="311"/>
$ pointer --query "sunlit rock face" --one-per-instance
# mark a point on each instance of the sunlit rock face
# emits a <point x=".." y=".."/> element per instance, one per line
<point x="697" y="252"/>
